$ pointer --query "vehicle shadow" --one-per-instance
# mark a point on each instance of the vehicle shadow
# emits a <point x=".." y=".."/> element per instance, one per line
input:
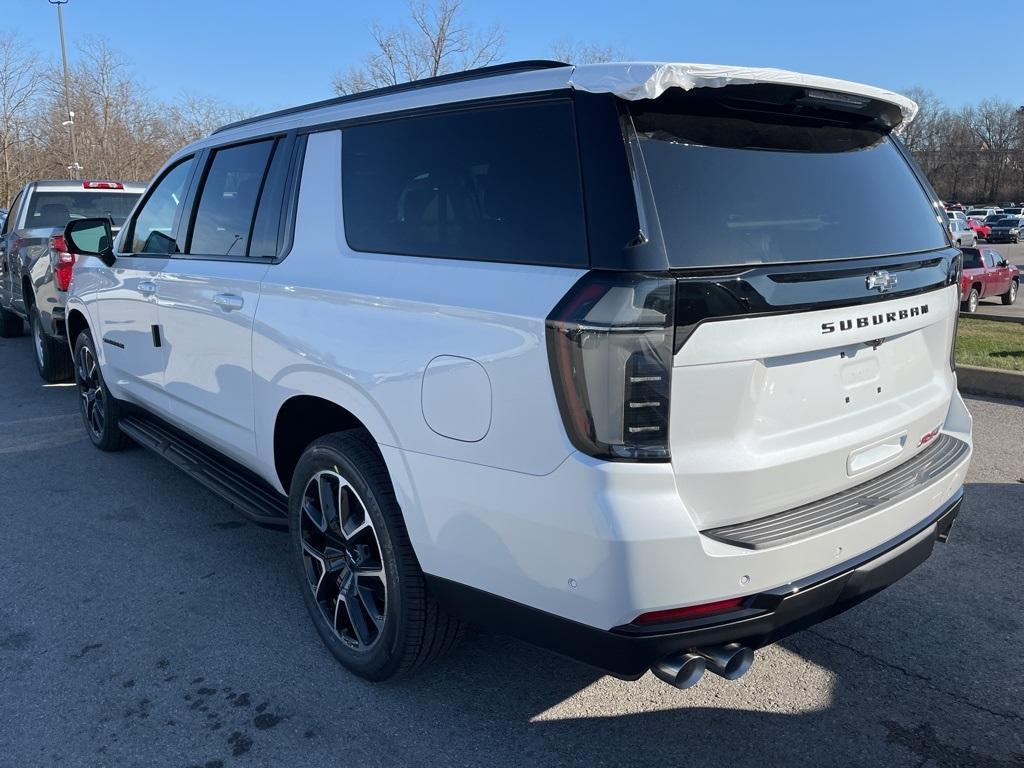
<point x="896" y="680"/>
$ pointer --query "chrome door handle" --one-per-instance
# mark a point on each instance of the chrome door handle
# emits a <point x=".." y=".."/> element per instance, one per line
<point x="228" y="301"/>
<point x="147" y="287"/>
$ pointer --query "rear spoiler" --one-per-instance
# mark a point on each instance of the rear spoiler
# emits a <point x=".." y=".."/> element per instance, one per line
<point x="644" y="80"/>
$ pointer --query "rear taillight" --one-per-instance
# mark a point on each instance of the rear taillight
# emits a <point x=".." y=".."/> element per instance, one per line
<point x="957" y="279"/>
<point x="610" y="348"/>
<point x="63" y="262"/>
<point x="690" y="611"/>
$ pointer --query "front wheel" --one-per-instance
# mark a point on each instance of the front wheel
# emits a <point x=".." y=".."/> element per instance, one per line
<point x="1011" y="295"/>
<point x="359" y="576"/>
<point x="53" y="358"/>
<point x="100" y="411"/>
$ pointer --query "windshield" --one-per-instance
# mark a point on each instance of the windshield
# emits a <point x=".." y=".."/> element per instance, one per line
<point x="734" y="190"/>
<point x="56" y="209"/>
<point x="972" y="259"/>
<point x="994" y="218"/>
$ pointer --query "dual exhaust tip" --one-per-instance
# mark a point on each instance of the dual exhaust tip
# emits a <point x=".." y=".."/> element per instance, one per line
<point x="684" y="670"/>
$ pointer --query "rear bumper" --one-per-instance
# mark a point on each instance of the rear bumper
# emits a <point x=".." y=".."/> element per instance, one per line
<point x="629" y="651"/>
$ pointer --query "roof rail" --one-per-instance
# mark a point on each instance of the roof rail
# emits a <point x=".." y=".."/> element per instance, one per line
<point x="412" y="85"/>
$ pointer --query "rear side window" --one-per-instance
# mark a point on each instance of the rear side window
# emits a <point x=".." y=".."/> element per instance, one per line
<point x="227" y="200"/>
<point x="154" y="228"/>
<point x="735" y="186"/>
<point x="492" y="184"/>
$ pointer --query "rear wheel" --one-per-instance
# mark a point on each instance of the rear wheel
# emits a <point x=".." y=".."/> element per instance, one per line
<point x="11" y="325"/>
<point x="357" y="570"/>
<point x="1011" y="295"/>
<point x="100" y="411"/>
<point x="971" y="305"/>
<point x="53" y="358"/>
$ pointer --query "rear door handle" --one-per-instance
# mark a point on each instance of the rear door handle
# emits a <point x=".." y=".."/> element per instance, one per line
<point x="147" y="287"/>
<point x="228" y="301"/>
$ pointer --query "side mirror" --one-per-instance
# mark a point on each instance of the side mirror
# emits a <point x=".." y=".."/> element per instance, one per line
<point x="91" y="237"/>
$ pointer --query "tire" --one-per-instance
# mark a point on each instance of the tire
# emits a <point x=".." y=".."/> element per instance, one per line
<point x="53" y="358"/>
<point x="11" y="325"/>
<point x="1011" y="295"/>
<point x="100" y="411"/>
<point x="370" y="605"/>
<point x="971" y="305"/>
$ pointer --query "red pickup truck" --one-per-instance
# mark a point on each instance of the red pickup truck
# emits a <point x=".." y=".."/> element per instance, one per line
<point x="987" y="273"/>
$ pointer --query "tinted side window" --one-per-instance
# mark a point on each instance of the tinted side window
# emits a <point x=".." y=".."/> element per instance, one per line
<point x="268" y="213"/>
<point x="153" y="228"/>
<point x="12" y="214"/>
<point x="493" y="184"/>
<point x="227" y="200"/>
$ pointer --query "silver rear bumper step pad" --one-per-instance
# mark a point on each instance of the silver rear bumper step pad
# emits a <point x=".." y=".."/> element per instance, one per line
<point x="850" y="505"/>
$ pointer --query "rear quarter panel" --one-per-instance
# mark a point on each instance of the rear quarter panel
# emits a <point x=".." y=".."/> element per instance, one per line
<point x="360" y="329"/>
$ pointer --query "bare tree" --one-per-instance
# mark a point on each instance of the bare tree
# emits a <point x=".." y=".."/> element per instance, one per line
<point x="575" y="52"/>
<point x="193" y="116"/>
<point x="435" y="41"/>
<point x="20" y="83"/>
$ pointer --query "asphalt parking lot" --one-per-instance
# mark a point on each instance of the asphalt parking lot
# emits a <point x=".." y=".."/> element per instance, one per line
<point x="143" y="624"/>
<point x="1014" y="254"/>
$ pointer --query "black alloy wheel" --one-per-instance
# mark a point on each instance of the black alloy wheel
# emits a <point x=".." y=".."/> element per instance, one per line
<point x="342" y="559"/>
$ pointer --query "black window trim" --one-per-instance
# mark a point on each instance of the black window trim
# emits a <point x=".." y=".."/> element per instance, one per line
<point x="127" y="236"/>
<point x="290" y="200"/>
<point x="562" y="95"/>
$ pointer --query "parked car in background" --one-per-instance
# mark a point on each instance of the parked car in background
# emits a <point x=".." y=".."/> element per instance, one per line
<point x="1014" y="210"/>
<point x="438" y="332"/>
<point x="960" y="234"/>
<point x="1005" y="230"/>
<point x="981" y="213"/>
<point x="980" y="228"/>
<point x="986" y="274"/>
<point x="36" y="267"/>
<point x="957" y="215"/>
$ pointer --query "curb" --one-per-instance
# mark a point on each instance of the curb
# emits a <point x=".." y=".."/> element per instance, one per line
<point x="990" y="381"/>
<point x="997" y="318"/>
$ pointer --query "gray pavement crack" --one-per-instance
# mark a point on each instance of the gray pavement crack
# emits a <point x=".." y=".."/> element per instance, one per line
<point x="917" y="676"/>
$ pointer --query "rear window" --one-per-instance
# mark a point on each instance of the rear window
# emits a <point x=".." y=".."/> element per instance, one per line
<point x="972" y="260"/>
<point x="56" y="209"/>
<point x="489" y="184"/>
<point x="734" y="187"/>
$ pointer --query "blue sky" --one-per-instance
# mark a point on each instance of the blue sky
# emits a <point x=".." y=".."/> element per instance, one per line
<point x="265" y="54"/>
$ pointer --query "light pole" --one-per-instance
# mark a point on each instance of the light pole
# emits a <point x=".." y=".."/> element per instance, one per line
<point x="74" y="168"/>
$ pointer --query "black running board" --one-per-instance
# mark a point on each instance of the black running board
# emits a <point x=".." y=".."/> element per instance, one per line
<point x="255" y="499"/>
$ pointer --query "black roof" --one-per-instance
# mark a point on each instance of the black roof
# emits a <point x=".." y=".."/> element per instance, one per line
<point x="427" y="82"/>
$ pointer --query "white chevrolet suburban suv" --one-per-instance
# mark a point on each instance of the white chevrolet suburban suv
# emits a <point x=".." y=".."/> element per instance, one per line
<point x="602" y="357"/>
